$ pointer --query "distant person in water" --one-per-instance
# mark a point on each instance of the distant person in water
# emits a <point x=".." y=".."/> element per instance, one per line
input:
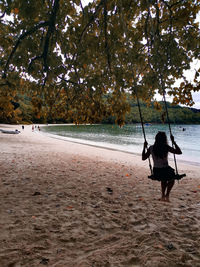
<point x="161" y="170"/>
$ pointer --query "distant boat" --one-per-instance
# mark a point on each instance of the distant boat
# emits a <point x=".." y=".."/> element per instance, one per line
<point x="10" y="132"/>
<point x="145" y="124"/>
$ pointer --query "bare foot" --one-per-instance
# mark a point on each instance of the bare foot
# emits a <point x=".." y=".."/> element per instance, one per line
<point x="162" y="199"/>
<point x="167" y="199"/>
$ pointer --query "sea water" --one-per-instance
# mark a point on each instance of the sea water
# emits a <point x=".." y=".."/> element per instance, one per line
<point x="130" y="138"/>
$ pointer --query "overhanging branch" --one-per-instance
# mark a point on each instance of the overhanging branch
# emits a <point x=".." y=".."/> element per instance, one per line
<point x="50" y="32"/>
<point x="91" y="19"/>
<point x="22" y="37"/>
<point x="106" y="35"/>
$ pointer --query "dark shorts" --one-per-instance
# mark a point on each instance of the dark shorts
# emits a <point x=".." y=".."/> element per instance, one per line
<point x="164" y="174"/>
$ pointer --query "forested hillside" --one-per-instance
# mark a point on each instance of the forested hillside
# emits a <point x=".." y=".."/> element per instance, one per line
<point x="22" y="109"/>
<point x="177" y="114"/>
<point x="151" y="114"/>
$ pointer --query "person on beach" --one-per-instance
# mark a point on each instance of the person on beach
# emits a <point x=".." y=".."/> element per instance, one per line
<point x="161" y="170"/>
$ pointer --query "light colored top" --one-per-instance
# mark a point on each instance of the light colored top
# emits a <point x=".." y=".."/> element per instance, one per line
<point x="158" y="162"/>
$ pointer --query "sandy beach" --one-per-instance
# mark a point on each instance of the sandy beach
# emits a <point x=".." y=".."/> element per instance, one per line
<point x="65" y="204"/>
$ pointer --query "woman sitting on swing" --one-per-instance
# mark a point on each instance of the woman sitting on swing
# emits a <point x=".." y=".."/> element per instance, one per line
<point x="161" y="170"/>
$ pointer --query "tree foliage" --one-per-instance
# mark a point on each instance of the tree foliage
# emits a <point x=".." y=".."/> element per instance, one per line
<point x="68" y="57"/>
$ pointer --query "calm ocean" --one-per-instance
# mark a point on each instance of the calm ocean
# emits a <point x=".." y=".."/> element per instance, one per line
<point x="130" y="137"/>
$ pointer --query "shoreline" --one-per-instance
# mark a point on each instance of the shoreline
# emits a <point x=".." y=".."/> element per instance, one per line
<point x="125" y="157"/>
<point x="65" y="204"/>
<point x="82" y="142"/>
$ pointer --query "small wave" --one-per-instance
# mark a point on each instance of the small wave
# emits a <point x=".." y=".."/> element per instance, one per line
<point x="126" y="148"/>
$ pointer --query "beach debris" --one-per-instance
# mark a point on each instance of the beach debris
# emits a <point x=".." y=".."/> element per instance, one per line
<point x="69" y="207"/>
<point x="109" y="190"/>
<point x="170" y="246"/>
<point x="9" y="211"/>
<point x="128" y="175"/>
<point x="44" y="261"/>
<point x="158" y="246"/>
<point x="115" y="211"/>
<point x="58" y="250"/>
<point x="95" y="206"/>
<point x="36" y="193"/>
<point x="194" y="191"/>
<point x="37" y="228"/>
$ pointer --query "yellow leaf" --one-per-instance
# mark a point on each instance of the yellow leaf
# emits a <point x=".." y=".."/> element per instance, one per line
<point x="36" y="19"/>
<point x="16" y="11"/>
<point x="21" y="81"/>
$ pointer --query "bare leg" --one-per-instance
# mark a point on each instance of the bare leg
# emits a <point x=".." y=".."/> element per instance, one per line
<point x="164" y="185"/>
<point x="169" y="188"/>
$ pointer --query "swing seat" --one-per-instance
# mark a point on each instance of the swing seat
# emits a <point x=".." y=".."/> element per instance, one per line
<point x="179" y="176"/>
<point x="176" y="177"/>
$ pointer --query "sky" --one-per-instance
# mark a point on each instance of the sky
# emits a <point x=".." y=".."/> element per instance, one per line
<point x="189" y="73"/>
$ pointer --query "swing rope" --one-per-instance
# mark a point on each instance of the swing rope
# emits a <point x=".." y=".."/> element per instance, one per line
<point x="142" y="123"/>
<point x="168" y="121"/>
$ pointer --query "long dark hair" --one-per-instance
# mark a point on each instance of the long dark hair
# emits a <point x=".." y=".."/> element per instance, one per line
<point x="160" y="147"/>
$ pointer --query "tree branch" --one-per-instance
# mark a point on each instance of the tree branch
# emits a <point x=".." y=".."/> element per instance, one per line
<point x="3" y="15"/>
<point x="32" y="60"/>
<point x="50" y="31"/>
<point x="82" y="7"/>
<point x="21" y="37"/>
<point x="106" y="35"/>
<point x="174" y="4"/>
<point x="67" y="81"/>
<point x="91" y="19"/>
<point x="51" y="24"/>
<point x="7" y="83"/>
